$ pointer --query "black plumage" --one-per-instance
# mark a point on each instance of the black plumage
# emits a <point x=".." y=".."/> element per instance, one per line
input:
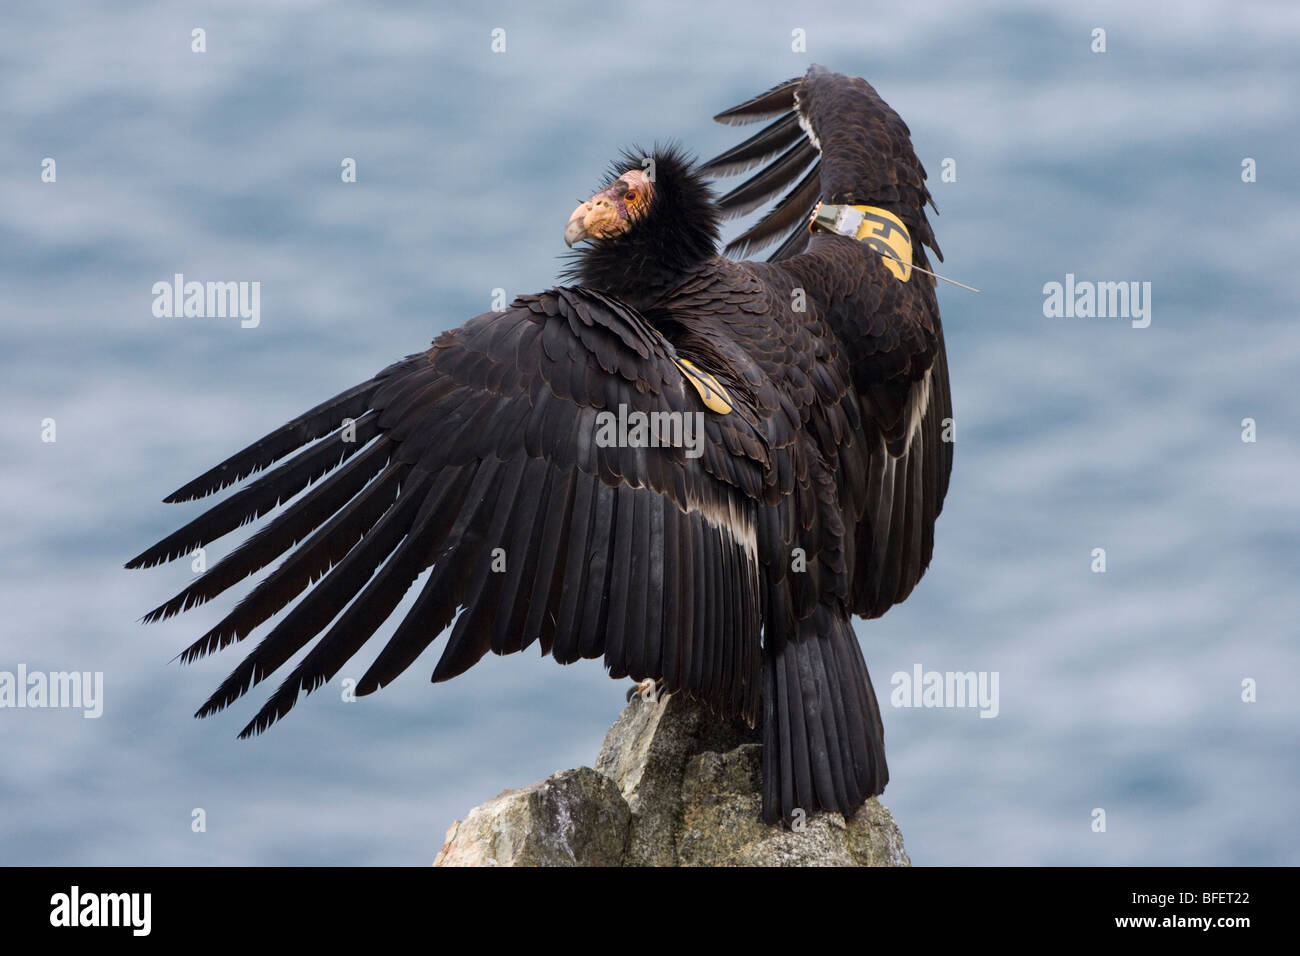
<point x="730" y="575"/>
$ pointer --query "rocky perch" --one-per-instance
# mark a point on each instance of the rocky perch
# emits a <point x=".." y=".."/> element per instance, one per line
<point x="672" y="787"/>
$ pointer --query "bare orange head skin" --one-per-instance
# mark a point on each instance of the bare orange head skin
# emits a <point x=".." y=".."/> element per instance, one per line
<point x="612" y="211"/>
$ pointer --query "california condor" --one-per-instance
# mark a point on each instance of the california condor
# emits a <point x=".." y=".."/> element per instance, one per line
<point x="802" y="465"/>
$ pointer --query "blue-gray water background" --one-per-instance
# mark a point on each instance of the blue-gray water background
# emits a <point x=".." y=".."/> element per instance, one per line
<point x="1119" y="691"/>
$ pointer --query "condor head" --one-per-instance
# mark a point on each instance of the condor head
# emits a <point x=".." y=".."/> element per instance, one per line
<point x="613" y="210"/>
<point x="653" y="224"/>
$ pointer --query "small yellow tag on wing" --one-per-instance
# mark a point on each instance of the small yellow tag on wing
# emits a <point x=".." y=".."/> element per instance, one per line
<point x="714" y="396"/>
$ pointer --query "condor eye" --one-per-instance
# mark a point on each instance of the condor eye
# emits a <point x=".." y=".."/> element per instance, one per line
<point x="630" y="196"/>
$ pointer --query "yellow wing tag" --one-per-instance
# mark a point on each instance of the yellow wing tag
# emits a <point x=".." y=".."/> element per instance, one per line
<point x="878" y="228"/>
<point x="715" y="397"/>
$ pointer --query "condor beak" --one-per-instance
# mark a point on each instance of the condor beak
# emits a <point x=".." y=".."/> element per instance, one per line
<point x="576" y="230"/>
<point x="598" y="218"/>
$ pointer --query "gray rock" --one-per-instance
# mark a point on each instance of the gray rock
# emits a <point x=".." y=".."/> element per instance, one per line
<point x="674" y="785"/>
<point x="572" y="818"/>
<point x="645" y="753"/>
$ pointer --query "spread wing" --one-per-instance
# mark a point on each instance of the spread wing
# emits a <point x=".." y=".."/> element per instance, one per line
<point x="481" y="458"/>
<point x="853" y="146"/>
<point x="835" y="140"/>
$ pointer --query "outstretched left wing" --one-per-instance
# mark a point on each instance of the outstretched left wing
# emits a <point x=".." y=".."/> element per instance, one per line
<point x="483" y="458"/>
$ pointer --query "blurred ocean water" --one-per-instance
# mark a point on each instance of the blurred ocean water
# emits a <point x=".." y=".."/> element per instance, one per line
<point x="1120" y="691"/>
